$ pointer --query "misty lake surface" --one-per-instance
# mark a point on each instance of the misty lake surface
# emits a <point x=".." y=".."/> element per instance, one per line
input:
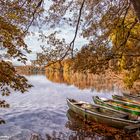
<point x="42" y="112"/>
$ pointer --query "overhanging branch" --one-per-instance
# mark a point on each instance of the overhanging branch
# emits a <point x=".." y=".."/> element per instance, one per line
<point x="77" y="27"/>
<point x="33" y="15"/>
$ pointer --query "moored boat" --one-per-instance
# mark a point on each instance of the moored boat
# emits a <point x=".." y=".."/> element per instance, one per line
<point x="131" y="96"/>
<point x="127" y="99"/>
<point x="101" y="114"/>
<point x="116" y="105"/>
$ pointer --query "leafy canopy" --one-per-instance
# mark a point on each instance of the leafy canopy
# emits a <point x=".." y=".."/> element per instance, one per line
<point x="15" y="19"/>
<point x="110" y="26"/>
<point x="112" y="29"/>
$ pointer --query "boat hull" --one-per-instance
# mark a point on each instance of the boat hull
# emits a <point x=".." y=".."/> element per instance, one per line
<point x="127" y="99"/>
<point x="97" y="117"/>
<point x="133" y="97"/>
<point x="132" y="111"/>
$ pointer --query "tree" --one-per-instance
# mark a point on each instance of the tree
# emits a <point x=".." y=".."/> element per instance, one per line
<point x="16" y="17"/>
<point x="111" y="28"/>
<point x="136" y="6"/>
<point x="103" y="22"/>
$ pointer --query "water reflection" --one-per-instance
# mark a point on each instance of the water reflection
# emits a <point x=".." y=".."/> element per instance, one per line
<point x="83" y="81"/>
<point x="40" y="114"/>
<point x="83" y="129"/>
<point x="79" y="135"/>
<point x="94" y="131"/>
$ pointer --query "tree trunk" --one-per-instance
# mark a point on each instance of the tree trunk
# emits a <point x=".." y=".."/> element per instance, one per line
<point x="136" y="6"/>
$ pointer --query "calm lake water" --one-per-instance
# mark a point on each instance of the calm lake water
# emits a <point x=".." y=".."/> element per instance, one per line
<point x="42" y="112"/>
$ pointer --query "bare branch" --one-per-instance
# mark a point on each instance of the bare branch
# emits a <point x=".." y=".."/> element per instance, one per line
<point x="33" y="15"/>
<point x="77" y="26"/>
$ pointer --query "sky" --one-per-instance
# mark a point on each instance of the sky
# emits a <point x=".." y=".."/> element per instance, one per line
<point x="67" y="33"/>
<point x="33" y="43"/>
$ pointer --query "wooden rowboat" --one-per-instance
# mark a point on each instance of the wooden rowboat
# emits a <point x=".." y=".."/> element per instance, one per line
<point x="115" y="105"/>
<point x="123" y="103"/>
<point x="127" y="99"/>
<point x="131" y="96"/>
<point x="101" y="114"/>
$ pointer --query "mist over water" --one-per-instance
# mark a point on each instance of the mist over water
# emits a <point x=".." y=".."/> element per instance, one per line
<point x="42" y="111"/>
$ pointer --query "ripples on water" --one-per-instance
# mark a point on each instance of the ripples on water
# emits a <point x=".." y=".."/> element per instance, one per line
<point x="41" y="113"/>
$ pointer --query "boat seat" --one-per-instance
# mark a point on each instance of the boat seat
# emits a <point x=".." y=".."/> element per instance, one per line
<point x="77" y="103"/>
<point x="90" y="107"/>
<point x="123" y="116"/>
<point x="96" y="107"/>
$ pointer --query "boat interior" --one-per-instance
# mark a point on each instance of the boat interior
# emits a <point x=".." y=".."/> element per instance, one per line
<point x="111" y="102"/>
<point x="101" y="110"/>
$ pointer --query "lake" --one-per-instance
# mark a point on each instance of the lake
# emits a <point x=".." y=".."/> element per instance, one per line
<point x="41" y="113"/>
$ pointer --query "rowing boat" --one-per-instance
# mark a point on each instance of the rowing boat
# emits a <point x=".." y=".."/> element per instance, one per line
<point x="123" y="103"/>
<point x="101" y="114"/>
<point x="115" y="105"/>
<point x="131" y="96"/>
<point x="127" y="99"/>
